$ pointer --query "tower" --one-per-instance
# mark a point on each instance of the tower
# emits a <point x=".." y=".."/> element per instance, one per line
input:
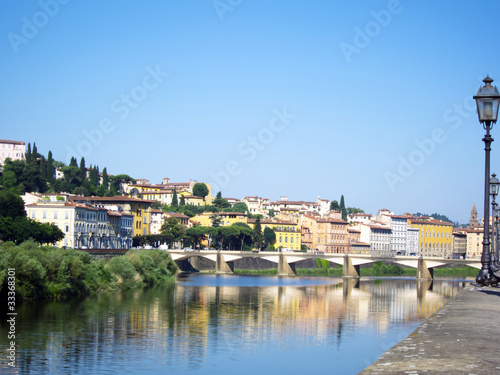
<point x="473" y="217"/>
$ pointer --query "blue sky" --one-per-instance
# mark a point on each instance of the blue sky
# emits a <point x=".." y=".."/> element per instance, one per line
<point x="366" y="99"/>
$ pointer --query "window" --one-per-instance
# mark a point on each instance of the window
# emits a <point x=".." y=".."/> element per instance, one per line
<point x="55" y="215"/>
<point x="66" y="215"/>
<point x="33" y="214"/>
<point x="44" y="214"/>
<point x="280" y="239"/>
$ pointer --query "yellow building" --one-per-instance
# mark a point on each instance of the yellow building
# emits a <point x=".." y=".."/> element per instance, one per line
<point x="227" y="218"/>
<point x="435" y="237"/>
<point x="288" y="233"/>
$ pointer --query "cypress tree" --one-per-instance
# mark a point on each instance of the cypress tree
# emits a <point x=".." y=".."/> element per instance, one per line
<point x="258" y="237"/>
<point x="105" y="181"/>
<point x="73" y="162"/>
<point x="50" y="167"/>
<point x="34" y="155"/>
<point x="343" y="209"/>
<point x="83" y="172"/>
<point x="96" y="176"/>
<point x="28" y="153"/>
<point x="43" y="169"/>
<point x="175" y="201"/>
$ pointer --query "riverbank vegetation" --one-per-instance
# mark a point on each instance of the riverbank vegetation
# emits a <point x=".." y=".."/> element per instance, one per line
<point x="44" y="272"/>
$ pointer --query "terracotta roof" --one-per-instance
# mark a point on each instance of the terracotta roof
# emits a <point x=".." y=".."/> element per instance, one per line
<point x="377" y="227"/>
<point x="435" y="222"/>
<point x="118" y="198"/>
<point x="12" y="142"/>
<point x="176" y="215"/>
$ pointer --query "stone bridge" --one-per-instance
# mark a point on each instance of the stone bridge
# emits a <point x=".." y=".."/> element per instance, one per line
<point x="224" y="261"/>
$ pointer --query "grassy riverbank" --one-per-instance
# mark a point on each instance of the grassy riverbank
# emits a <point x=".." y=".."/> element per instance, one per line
<point x="43" y="272"/>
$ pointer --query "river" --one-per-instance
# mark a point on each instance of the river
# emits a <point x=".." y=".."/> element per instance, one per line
<point x="214" y="324"/>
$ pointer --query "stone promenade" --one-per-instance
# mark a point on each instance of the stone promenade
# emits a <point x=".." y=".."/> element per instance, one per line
<point x="462" y="337"/>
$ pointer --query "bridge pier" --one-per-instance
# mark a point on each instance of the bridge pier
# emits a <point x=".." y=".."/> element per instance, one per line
<point x="185" y="265"/>
<point x="285" y="268"/>
<point x="223" y="267"/>
<point x="348" y="285"/>
<point x="423" y="287"/>
<point x="350" y="270"/>
<point x="423" y="272"/>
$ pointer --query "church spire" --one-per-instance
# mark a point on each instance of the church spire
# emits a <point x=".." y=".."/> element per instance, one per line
<point x="473" y="223"/>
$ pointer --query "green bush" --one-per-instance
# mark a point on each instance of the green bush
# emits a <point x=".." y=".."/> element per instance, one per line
<point x="49" y="272"/>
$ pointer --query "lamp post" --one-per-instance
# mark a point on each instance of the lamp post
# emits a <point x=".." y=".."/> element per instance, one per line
<point x="494" y="187"/>
<point x="487" y="101"/>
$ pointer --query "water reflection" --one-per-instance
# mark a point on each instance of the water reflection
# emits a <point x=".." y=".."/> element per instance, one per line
<point x="207" y="323"/>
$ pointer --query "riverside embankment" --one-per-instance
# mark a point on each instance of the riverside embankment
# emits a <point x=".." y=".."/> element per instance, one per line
<point x="462" y="337"/>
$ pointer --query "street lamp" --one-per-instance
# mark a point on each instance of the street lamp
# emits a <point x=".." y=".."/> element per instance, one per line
<point x="487" y="101"/>
<point x="494" y="187"/>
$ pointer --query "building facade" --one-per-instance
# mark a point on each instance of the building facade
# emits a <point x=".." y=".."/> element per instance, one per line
<point x="435" y="237"/>
<point x="14" y="150"/>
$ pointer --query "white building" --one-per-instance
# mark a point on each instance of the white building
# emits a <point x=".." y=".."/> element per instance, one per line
<point x="412" y="237"/>
<point x="399" y="228"/>
<point x="15" y="150"/>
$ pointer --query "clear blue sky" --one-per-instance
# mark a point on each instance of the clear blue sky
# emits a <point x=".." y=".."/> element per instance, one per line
<point x="190" y="89"/>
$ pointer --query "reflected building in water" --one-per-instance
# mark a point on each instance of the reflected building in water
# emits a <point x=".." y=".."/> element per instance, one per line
<point x="185" y="324"/>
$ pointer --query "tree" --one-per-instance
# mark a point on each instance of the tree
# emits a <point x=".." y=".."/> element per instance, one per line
<point x="11" y="205"/>
<point x="50" y="167"/>
<point x="173" y="230"/>
<point x="175" y="201"/>
<point x="34" y="156"/>
<point x="334" y="206"/>
<point x="258" y="237"/>
<point x="43" y="169"/>
<point x="28" y="154"/>
<point x="105" y="179"/>
<point x="240" y="207"/>
<point x="183" y="201"/>
<point x="198" y="234"/>
<point x="269" y="236"/>
<point x="220" y="202"/>
<point x="73" y="162"/>
<point x="16" y="227"/>
<point x="271" y="213"/>
<point x="245" y="234"/>
<point x="342" y="208"/>
<point x="200" y="190"/>
<point x="216" y="220"/>
<point x="354" y="210"/>
<point x="83" y="170"/>
<point x="118" y="180"/>
<point x="227" y="233"/>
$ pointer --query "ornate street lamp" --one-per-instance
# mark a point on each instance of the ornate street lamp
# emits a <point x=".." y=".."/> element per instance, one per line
<point x="487" y="101"/>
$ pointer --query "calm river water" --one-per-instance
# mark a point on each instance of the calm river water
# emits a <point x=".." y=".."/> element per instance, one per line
<point x="210" y="324"/>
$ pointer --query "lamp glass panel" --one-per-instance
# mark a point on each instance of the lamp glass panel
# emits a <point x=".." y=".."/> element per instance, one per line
<point x="487" y="109"/>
